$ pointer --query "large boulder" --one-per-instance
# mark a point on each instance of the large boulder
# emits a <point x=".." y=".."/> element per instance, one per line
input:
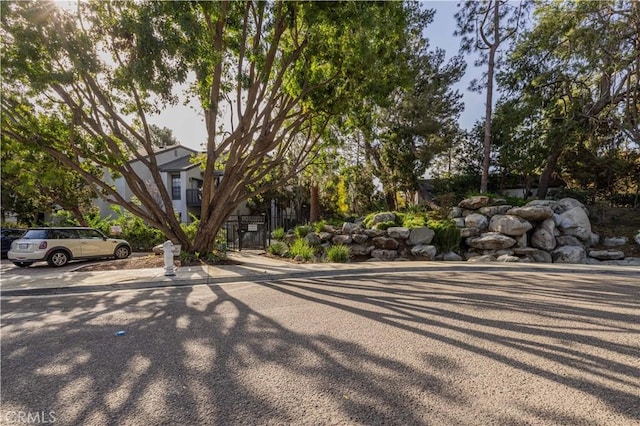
<point x="424" y="251"/>
<point x="372" y="233"/>
<point x="454" y="212"/>
<point x="575" y="222"/>
<point x="569" y="254"/>
<point x="491" y="241"/>
<point x="421" y="235"/>
<point x="384" y="254"/>
<point x="567" y="204"/>
<point x="532" y="213"/>
<point x="552" y="204"/>
<point x="544" y="236"/>
<point x="399" y="232"/>
<point x="637" y="238"/>
<point x="386" y="243"/>
<point x="474" y="203"/>
<point x="469" y="232"/>
<point x="325" y="236"/>
<point x="313" y="239"/>
<point x="476" y="220"/>
<point x="509" y="225"/>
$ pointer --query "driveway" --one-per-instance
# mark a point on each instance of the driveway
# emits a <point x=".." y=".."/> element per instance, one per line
<point x="445" y="347"/>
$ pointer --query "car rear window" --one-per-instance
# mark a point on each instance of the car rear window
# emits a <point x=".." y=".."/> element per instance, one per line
<point x="35" y="234"/>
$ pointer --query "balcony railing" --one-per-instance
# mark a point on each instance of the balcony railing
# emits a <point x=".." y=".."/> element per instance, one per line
<point x="194" y="198"/>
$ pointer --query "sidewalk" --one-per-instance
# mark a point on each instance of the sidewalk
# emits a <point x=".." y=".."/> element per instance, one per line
<point x="254" y="267"/>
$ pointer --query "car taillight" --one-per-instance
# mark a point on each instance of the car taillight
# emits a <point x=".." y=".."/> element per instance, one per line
<point x="43" y="245"/>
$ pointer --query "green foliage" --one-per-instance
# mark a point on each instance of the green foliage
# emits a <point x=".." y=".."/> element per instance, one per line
<point x="278" y="234"/>
<point x="412" y="220"/>
<point x="301" y="247"/>
<point x="278" y="248"/>
<point x="319" y="226"/>
<point x="301" y="231"/>
<point x="447" y="235"/>
<point x="338" y="253"/>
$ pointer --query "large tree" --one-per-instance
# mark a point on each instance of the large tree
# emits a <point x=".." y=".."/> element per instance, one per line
<point x="575" y="80"/>
<point x="484" y="26"/>
<point x="269" y="76"/>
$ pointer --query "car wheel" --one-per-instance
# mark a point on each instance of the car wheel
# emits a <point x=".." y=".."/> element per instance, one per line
<point x="58" y="258"/>
<point x="22" y="264"/>
<point x="122" y="252"/>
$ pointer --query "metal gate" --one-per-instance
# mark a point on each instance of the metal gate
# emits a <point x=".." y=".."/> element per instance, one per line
<point x="248" y="232"/>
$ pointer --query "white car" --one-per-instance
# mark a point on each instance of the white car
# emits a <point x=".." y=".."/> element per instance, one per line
<point x="60" y="245"/>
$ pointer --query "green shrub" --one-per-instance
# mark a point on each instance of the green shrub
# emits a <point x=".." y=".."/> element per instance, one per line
<point x="413" y="220"/>
<point x="447" y="235"/>
<point x="385" y="225"/>
<point x="319" y="226"/>
<point x="338" y="253"/>
<point x="301" y="247"/>
<point x="278" y="248"/>
<point x="301" y="231"/>
<point x="278" y="234"/>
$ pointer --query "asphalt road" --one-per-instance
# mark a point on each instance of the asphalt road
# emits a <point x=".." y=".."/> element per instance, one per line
<point x="447" y="348"/>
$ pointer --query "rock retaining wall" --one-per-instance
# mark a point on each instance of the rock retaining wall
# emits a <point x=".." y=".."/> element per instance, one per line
<point x="543" y="231"/>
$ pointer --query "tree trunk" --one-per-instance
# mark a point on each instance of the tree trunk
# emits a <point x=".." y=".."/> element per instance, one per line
<point x="545" y="177"/>
<point x="314" y="204"/>
<point x="486" y="147"/>
<point x="390" y="198"/>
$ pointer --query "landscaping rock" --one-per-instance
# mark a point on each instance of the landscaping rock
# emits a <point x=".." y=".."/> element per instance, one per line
<point x="386" y="243"/>
<point x="382" y="218"/>
<point x="569" y="254"/>
<point x="384" y="254"/>
<point x="342" y="239"/>
<point x="372" y="233"/>
<point x="544" y="236"/>
<point x="509" y="225"/>
<point x="474" y="203"/>
<point x="399" y="232"/>
<point x="350" y="228"/>
<point x="455" y="212"/>
<point x="477" y="221"/>
<point x="361" y="250"/>
<point x="637" y="238"/>
<point x="615" y="241"/>
<point x="469" y="232"/>
<point x="421" y="235"/>
<point x="494" y="210"/>
<point x="482" y="259"/>
<point x="491" y="241"/>
<point x="325" y="236"/>
<point x="532" y="213"/>
<point x="567" y="204"/>
<point x="575" y="222"/>
<point x="359" y="238"/>
<point x="535" y="255"/>
<point x="459" y="222"/>
<point x="422" y="250"/>
<point x="508" y="258"/>
<point x="552" y="204"/>
<point x="568" y="240"/>
<point x="452" y="257"/>
<point x="606" y="254"/>
<point x="313" y="239"/>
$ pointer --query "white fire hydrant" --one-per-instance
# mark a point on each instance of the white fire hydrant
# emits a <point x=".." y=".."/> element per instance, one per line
<point x="169" y="269"/>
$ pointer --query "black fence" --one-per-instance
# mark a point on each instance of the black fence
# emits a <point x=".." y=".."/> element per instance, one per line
<point x="247" y="232"/>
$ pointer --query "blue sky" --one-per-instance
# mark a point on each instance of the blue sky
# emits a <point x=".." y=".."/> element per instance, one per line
<point x="188" y="127"/>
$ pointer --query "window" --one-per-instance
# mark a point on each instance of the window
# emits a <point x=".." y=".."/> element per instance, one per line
<point x="175" y="187"/>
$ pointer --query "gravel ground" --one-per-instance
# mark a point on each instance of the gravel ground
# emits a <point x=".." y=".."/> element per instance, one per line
<point x="447" y="348"/>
